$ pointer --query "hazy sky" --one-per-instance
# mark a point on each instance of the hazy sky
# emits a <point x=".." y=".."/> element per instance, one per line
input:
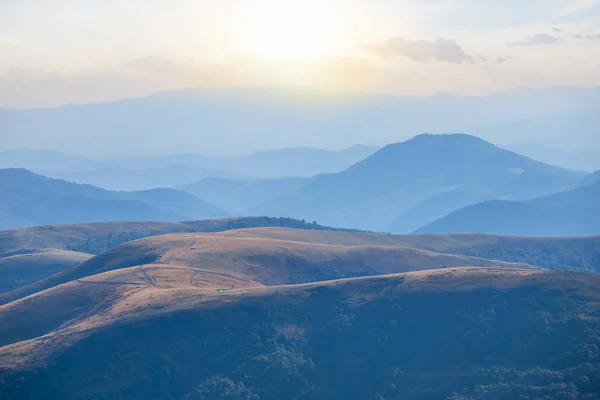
<point x="60" y="51"/>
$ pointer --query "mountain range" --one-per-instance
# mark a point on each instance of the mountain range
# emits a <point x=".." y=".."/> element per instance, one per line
<point x="405" y="185"/>
<point x="571" y="213"/>
<point x="31" y="199"/>
<point x="253" y="119"/>
<point x="399" y="188"/>
<point x="152" y="171"/>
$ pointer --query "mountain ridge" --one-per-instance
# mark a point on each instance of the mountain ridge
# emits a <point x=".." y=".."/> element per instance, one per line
<point x="374" y="191"/>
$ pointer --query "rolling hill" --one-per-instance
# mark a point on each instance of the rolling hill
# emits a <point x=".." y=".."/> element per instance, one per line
<point x="96" y="238"/>
<point x="266" y="261"/>
<point x="442" y="334"/>
<point x="20" y="268"/>
<point x="578" y="254"/>
<point x="557" y="253"/>
<point x="31" y="199"/>
<point x="374" y="192"/>
<point x="571" y="213"/>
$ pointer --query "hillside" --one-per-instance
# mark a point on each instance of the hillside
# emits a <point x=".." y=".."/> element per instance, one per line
<point x="578" y="254"/>
<point x="373" y="192"/>
<point x="514" y="218"/>
<point x="557" y="253"/>
<point x="31" y="199"/>
<point x="23" y="267"/>
<point x="96" y="238"/>
<point x="266" y="261"/>
<point x="483" y="333"/>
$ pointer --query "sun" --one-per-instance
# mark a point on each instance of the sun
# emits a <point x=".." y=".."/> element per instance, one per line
<point x="290" y="32"/>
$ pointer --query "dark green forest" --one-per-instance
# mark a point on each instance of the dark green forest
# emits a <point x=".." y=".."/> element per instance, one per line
<point x="526" y="343"/>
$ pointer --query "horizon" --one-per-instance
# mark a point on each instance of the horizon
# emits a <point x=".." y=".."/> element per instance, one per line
<point x="322" y="90"/>
<point x="62" y="52"/>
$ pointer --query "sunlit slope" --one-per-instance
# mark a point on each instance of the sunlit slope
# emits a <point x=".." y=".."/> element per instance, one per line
<point x="99" y="237"/>
<point x="484" y="333"/>
<point x="562" y="253"/>
<point x="265" y="260"/>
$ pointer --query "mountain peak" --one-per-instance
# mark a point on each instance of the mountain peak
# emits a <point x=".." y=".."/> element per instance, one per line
<point x="459" y="138"/>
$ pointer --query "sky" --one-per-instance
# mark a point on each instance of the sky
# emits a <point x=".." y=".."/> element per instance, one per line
<point x="54" y="52"/>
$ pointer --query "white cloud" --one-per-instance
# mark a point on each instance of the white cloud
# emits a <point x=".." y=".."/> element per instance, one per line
<point x="538" y="39"/>
<point x="441" y="50"/>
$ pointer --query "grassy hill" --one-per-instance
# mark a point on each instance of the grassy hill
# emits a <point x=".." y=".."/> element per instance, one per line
<point x="23" y="267"/>
<point x="579" y="254"/>
<point x="99" y="237"/>
<point x="560" y="253"/>
<point x="443" y="334"/>
<point x="263" y="260"/>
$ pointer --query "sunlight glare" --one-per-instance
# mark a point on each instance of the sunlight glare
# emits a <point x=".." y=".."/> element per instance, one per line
<point x="291" y="32"/>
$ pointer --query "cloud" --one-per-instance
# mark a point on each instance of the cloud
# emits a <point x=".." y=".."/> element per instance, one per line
<point x="538" y="39"/>
<point x="557" y="30"/>
<point x="502" y="60"/>
<point x="587" y="37"/>
<point x="440" y="50"/>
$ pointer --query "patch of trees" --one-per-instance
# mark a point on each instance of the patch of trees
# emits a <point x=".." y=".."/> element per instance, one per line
<point x="527" y="343"/>
<point x="583" y="257"/>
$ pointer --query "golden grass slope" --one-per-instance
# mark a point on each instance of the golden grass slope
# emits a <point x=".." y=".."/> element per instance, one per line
<point x="266" y="260"/>
<point x="37" y="327"/>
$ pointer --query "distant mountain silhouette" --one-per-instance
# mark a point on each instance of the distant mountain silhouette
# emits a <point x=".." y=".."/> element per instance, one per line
<point x="250" y="119"/>
<point x="584" y="197"/>
<point x="140" y="178"/>
<point x="577" y="129"/>
<point x="45" y="160"/>
<point x="586" y="159"/>
<point x="140" y="172"/>
<point x="376" y="192"/>
<point x="242" y="196"/>
<point x="592" y="178"/>
<point x="571" y="213"/>
<point x="31" y="199"/>
<point x="281" y="163"/>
